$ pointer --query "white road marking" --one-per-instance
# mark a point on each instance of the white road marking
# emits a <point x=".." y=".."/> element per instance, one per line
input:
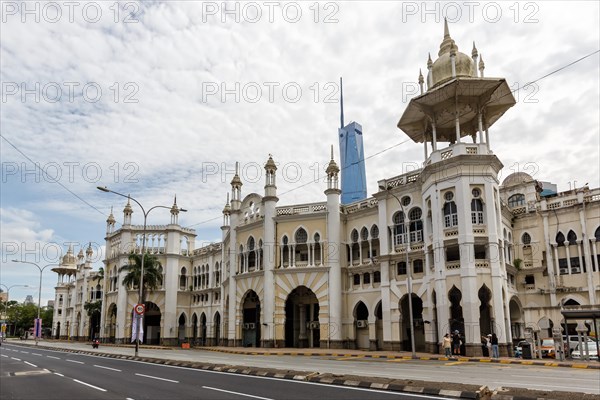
<point x="156" y="377"/>
<point x="92" y="386"/>
<point x="4" y="355"/>
<point x="53" y="357"/>
<point x="36" y="354"/>
<point x="238" y="393"/>
<point x="28" y="363"/>
<point x="112" y="369"/>
<point x="78" y="362"/>
<point x="56" y="373"/>
<point x="128" y="398"/>
<point x="15" y="358"/>
<point x="26" y="352"/>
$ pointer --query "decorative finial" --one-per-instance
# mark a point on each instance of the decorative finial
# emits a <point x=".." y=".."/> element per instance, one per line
<point x="175" y="200"/>
<point x="421" y="80"/>
<point x="446" y="30"/>
<point x="332" y="152"/>
<point x="474" y="53"/>
<point x="429" y="62"/>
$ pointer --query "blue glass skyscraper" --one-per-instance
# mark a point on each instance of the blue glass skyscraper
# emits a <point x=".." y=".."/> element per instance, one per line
<point x="352" y="157"/>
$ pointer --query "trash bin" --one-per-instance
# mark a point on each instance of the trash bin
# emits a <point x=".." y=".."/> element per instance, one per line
<point x="526" y="351"/>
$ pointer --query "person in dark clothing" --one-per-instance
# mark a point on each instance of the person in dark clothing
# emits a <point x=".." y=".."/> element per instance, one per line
<point x="494" y="341"/>
<point x="456" y="343"/>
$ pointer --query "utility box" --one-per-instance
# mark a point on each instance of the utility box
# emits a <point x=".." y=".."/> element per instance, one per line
<point x="526" y="350"/>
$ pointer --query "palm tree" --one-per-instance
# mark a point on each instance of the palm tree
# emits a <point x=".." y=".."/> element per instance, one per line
<point x="99" y="275"/>
<point x="152" y="273"/>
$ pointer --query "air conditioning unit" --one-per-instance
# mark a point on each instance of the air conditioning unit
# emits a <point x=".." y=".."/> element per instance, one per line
<point x="575" y="270"/>
<point x="314" y="325"/>
<point x="564" y="271"/>
<point x="361" y="323"/>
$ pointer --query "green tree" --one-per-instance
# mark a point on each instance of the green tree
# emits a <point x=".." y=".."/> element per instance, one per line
<point x="92" y="307"/>
<point x="99" y="275"/>
<point x="152" y="273"/>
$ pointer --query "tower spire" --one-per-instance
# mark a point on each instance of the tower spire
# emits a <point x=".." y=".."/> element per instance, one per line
<point x="341" y="104"/>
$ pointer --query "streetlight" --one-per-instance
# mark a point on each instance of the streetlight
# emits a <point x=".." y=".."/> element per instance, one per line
<point x="39" y="293"/>
<point x="385" y="188"/>
<point x="8" y="297"/>
<point x="139" y="318"/>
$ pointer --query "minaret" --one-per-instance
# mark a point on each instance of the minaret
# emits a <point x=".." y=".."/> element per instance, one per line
<point x="127" y="212"/>
<point x="236" y="202"/>
<point x="333" y="253"/>
<point x="269" y="251"/>
<point x="474" y="55"/>
<point x="110" y="222"/>
<point x="175" y="212"/>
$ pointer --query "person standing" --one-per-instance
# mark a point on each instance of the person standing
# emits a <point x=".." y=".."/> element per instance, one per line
<point x="456" y="343"/>
<point x="447" y="345"/>
<point x="494" y="341"/>
<point x="484" y="347"/>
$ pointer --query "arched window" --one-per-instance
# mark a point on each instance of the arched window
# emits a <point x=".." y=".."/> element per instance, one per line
<point x="597" y="234"/>
<point x="364" y="234"/>
<point x="301" y="236"/>
<point x="399" y="228"/>
<point x="376" y="277"/>
<point x="516" y="200"/>
<point x="450" y="214"/>
<point x="560" y="239"/>
<point x="476" y="212"/>
<point x="418" y="266"/>
<point x="572" y="237"/>
<point x="356" y="279"/>
<point x="182" y="279"/>
<point x="401" y="268"/>
<point x="416" y="225"/>
<point x="526" y="238"/>
<point x="250" y="243"/>
<point x="366" y="277"/>
<point x="354" y="236"/>
<point x="375" y="232"/>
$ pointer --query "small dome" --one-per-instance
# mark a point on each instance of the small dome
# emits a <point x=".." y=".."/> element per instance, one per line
<point x="89" y="252"/>
<point x="517" y="178"/>
<point x="270" y="165"/>
<point x="236" y="180"/>
<point x="69" y="258"/>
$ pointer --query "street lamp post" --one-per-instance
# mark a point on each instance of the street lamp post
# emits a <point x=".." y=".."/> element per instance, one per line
<point x="140" y="299"/>
<point x="408" y="270"/>
<point x="8" y="298"/>
<point x="39" y="292"/>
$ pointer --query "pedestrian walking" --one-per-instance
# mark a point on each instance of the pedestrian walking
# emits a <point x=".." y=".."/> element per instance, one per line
<point x="447" y="345"/>
<point x="494" y="343"/>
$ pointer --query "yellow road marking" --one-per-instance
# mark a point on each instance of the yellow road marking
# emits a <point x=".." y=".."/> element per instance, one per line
<point x="398" y="360"/>
<point x="579" y="365"/>
<point x="455" y="363"/>
<point x="485" y="360"/>
<point x="348" y="358"/>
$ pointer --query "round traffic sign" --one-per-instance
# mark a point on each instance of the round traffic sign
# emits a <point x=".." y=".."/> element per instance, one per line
<point x="139" y="309"/>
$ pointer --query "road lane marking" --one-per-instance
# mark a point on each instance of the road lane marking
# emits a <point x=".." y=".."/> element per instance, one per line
<point x="156" y="377"/>
<point x="28" y="363"/>
<point x="56" y="373"/>
<point x="238" y="393"/>
<point x="92" y="386"/>
<point x="15" y="358"/>
<point x="454" y="363"/>
<point x="26" y="352"/>
<point x="112" y="369"/>
<point x="3" y="355"/>
<point x="78" y="362"/>
<point x="36" y="354"/>
<point x="53" y="357"/>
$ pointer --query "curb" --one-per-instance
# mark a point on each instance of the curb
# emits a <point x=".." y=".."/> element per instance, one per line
<point x="399" y="357"/>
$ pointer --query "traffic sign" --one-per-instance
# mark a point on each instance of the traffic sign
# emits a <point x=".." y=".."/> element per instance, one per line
<point x="139" y="309"/>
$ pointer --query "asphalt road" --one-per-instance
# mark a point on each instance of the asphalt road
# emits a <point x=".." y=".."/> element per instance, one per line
<point x="32" y="373"/>
<point x="491" y="374"/>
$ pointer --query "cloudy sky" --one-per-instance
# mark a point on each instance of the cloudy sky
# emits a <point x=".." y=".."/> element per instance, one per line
<point x="159" y="99"/>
